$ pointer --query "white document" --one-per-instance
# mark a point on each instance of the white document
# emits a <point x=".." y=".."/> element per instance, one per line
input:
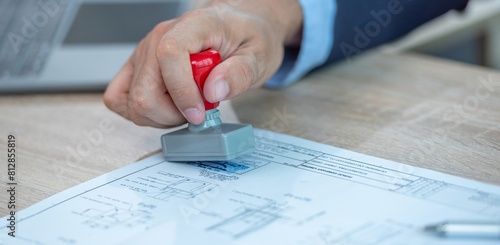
<point x="289" y="191"/>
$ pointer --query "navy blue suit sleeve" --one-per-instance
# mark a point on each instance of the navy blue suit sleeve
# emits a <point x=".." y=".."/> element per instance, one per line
<point x="364" y="24"/>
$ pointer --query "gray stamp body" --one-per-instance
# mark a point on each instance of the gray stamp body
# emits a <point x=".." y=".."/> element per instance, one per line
<point x="209" y="141"/>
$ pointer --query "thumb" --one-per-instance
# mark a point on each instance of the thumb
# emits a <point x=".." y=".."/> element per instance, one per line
<point x="232" y="77"/>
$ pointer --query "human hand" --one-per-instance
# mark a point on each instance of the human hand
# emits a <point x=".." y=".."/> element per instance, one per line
<point x="155" y="87"/>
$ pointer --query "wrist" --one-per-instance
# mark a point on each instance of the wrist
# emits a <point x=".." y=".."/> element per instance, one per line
<point x="291" y="20"/>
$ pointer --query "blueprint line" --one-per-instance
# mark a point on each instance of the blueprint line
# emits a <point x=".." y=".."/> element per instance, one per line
<point x="87" y="191"/>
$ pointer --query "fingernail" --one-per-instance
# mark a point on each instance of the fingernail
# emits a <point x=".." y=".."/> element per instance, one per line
<point x="221" y="90"/>
<point x="194" y="115"/>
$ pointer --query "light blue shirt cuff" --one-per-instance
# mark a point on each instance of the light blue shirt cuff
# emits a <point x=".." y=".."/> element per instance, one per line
<point x="317" y="42"/>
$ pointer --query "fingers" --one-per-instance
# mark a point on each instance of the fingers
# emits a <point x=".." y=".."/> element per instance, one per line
<point x="140" y="104"/>
<point x="173" y="58"/>
<point x="149" y="103"/>
<point x="116" y="95"/>
<point x="248" y="67"/>
<point x="178" y="79"/>
<point x="156" y="87"/>
<point x="138" y="93"/>
<point x="232" y="77"/>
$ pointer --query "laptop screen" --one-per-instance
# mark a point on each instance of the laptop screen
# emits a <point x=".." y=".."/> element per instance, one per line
<point x="72" y="45"/>
<point x="118" y="23"/>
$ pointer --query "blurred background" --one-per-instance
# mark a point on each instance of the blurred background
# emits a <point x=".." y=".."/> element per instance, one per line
<point x="80" y="45"/>
<point x="472" y="36"/>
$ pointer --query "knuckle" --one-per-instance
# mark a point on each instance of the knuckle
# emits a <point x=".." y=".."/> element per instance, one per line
<point x="115" y="104"/>
<point x="141" y="105"/>
<point x="180" y="93"/>
<point x="246" y="76"/>
<point x="167" y="47"/>
<point x="160" y="27"/>
<point x="137" y="118"/>
<point x="184" y="97"/>
<point x="149" y="79"/>
<point x="108" y="100"/>
<point x="157" y="32"/>
<point x="140" y="121"/>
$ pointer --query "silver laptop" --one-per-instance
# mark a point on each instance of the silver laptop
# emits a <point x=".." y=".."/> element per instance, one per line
<point x="72" y="45"/>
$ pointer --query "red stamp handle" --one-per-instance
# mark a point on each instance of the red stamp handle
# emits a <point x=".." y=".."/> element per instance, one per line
<point x="202" y="64"/>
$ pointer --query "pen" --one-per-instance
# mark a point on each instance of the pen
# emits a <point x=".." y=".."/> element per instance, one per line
<point x="465" y="229"/>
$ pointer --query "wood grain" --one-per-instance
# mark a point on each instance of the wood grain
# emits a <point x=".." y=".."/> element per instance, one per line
<point x="50" y="128"/>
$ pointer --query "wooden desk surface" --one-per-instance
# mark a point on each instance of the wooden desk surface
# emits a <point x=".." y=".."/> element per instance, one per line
<point x="408" y="108"/>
